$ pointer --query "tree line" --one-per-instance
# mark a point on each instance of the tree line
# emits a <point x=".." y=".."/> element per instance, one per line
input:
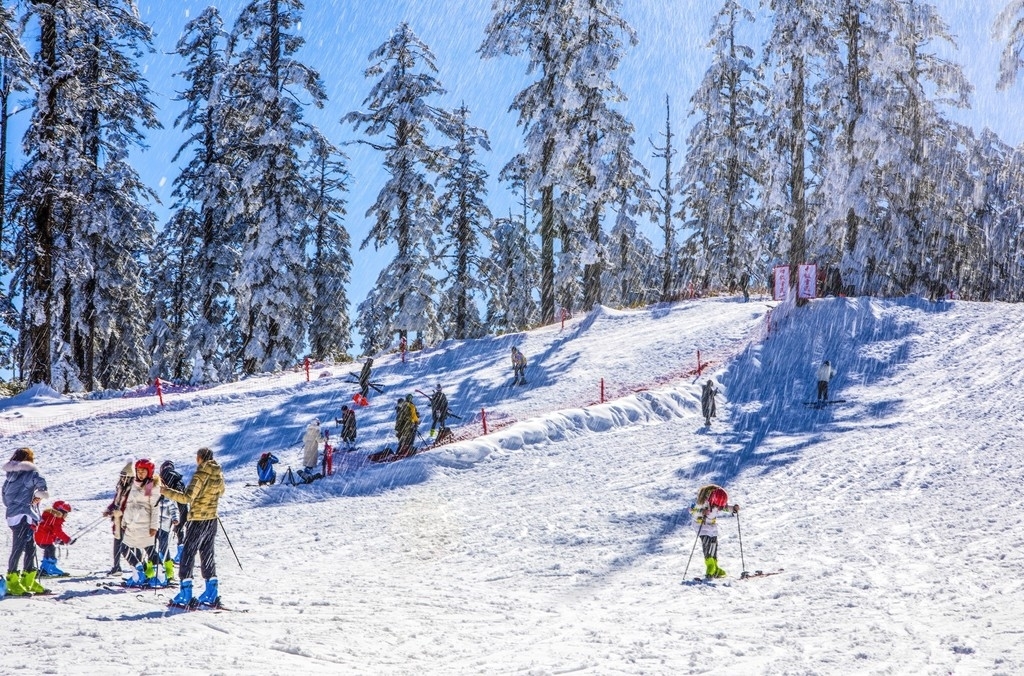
<point x="821" y="132"/>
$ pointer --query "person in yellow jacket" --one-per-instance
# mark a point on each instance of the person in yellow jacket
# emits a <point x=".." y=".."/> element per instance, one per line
<point x="202" y="495"/>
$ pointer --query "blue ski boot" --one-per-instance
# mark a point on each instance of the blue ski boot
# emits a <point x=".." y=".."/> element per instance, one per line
<point x="210" y="597"/>
<point x="177" y="555"/>
<point x="140" y="579"/>
<point x="49" y="569"/>
<point x="184" y="596"/>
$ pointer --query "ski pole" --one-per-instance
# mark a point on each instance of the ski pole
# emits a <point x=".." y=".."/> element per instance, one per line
<point x="693" y="549"/>
<point x="88" y="527"/>
<point x="739" y="532"/>
<point x="225" y="531"/>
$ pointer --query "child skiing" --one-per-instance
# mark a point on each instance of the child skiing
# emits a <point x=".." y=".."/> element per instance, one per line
<point x="327" y="465"/>
<point x="171" y="478"/>
<point x="49" y="533"/>
<point x="711" y="502"/>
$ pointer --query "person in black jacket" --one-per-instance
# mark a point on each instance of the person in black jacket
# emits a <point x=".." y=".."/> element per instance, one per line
<point x="438" y="411"/>
<point x="364" y="378"/>
<point x="348" y="425"/>
<point x="172" y="479"/>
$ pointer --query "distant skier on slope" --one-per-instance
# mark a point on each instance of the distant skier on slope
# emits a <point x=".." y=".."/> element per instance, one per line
<point x="406" y="421"/>
<point x="438" y="412"/>
<point x="711" y="502"/>
<point x="825" y="374"/>
<point x="310" y="450"/>
<point x="518" y="367"/>
<point x="364" y="378"/>
<point x="707" y="402"/>
<point x="348" y="426"/>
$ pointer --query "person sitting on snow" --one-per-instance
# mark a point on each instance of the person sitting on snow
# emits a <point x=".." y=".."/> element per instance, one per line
<point x="265" y="469"/>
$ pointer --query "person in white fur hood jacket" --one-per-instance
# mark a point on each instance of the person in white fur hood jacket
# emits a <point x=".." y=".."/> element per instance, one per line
<point x="23" y="490"/>
<point x="140" y="522"/>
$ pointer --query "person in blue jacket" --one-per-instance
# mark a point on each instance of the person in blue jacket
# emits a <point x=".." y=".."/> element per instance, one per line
<point x="265" y="469"/>
<point x="23" y="490"/>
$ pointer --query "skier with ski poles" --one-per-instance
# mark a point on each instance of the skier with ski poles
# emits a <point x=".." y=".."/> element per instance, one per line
<point x="202" y="495"/>
<point x="712" y="501"/>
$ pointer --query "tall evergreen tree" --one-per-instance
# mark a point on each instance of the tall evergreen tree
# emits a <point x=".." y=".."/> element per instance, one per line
<point x="15" y="65"/>
<point x="605" y="135"/>
<point x="1009" y="28"/>
<point x="265" y="83"/>
<point x="81" y="203"/>
<point x="404" y="214"/>
<point x="721" y="181"/>
<point x="539" y="29"/>
<point x="797" y="46"/>
<point x="202" y="240"/>
<point x="921" y="146"/>
<point x="328" y="176"/>
<point x="468" y="220"/>
<point x="666" y="194"/>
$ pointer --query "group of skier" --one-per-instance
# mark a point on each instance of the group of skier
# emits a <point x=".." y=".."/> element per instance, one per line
<point x="146" y="509"/>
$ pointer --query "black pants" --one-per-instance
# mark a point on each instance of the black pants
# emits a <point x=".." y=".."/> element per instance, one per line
<point x="23" y="544"/>
<point x="163" y="543"/>
<point x="709" y="543"/>
<point x="199" y="539"/>
<point x="49" y="551"/>
<point x="822" y="390"/>
<point x="135" y="556"/>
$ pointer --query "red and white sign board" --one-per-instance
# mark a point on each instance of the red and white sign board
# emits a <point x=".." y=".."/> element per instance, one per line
<point x="807" y="280"/>
<point x="780" y="289"/>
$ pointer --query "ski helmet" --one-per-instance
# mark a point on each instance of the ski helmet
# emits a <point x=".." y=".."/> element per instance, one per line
<point x="718" y="498"/>
<point x="145" y="464"/>
<point x="62" y="506"/>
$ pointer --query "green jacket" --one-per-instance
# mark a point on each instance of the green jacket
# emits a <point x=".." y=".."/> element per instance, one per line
<point x="202" y="492"/>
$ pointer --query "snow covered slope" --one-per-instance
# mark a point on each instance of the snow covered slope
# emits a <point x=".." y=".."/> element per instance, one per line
<point x="558" y="543"/>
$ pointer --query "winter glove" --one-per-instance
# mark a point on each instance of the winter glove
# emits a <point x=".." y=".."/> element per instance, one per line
<point x="735" y="509"/>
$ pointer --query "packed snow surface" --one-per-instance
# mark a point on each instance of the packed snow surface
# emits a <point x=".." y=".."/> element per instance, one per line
<point x="559" y="542"/>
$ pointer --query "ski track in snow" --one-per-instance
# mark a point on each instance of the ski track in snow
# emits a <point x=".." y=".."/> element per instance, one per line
<point x="558" y="544"/>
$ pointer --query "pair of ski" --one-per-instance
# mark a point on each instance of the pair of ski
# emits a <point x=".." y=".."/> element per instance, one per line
<point x="745" y="575"/>
<point x="822" y="403"/>
<point x="195" y="606"/>
<point x="140" y="588"/>
<point x="379" y="387"/>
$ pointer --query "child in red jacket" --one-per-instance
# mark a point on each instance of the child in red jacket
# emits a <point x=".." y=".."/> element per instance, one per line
<point x="49" y="533"/>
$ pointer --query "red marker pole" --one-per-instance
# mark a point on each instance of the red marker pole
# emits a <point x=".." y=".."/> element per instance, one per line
<point x="159" y="391"/>
<point x="602" y="390"/>
<point x="483" y="419"/>
<point x="307" y="369"/>
<point x="699" y="366"/>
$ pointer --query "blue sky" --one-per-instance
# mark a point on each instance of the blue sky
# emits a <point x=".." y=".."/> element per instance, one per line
<point x="339" y="34"/>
